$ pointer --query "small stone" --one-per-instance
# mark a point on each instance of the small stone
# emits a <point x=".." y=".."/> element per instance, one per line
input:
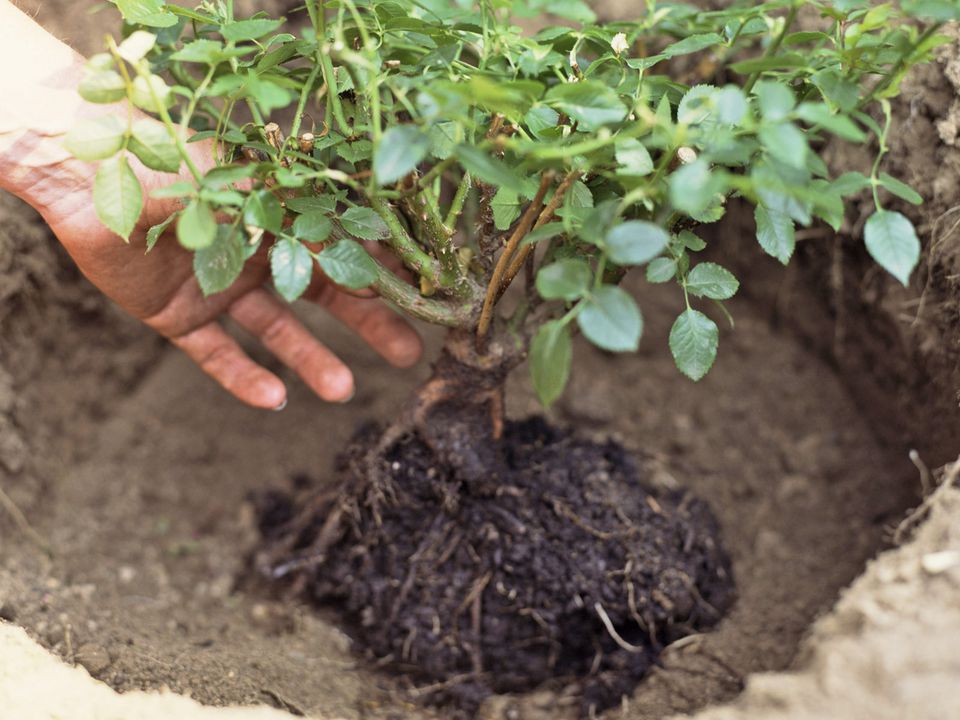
<point x="93" y="657"/>
<point x="8" y="612"/>
<point x="127" y="573"/>
<point x="13" y="450"/>
<point x="939" y="562"/>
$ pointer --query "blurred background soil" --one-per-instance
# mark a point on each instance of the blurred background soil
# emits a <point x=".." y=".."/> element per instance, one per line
<point x="136" y="469"/>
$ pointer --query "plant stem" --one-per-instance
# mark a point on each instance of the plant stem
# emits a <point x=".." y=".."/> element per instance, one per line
<point x="449" y="313"/>
<point x="302" y="106"/>
<point x="774" y="46"/>
<point x="493" y="288"/>
<point x="456" y="207"/>
<point x="898" y="68"/>
<point x="404" y="247"/>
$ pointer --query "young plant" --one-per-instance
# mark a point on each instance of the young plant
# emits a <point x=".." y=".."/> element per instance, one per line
<point x="477" y="153"/>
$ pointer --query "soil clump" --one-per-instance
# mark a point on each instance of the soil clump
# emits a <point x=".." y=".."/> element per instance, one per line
<point x="569" y="568"/>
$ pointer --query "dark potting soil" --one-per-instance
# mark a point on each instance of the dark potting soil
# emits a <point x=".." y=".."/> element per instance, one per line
<point x="569" y="569"/>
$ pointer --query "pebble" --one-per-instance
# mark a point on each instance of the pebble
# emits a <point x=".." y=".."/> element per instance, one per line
<point x="93" y="657"/>
<point x="939" y="562"/>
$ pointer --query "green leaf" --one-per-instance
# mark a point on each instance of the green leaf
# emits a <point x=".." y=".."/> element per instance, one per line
<point x="693" y="341"/>
<point x="694" y="187"/>
<point x="634" y="158"/>
<point x="776" y="100"/>
<point x="156" y="231"/>
<point x="291" y="265"/>
<point x="564" y="280"/>
<point x="591" y="103"/>
<point x="364" y="223"/>
<point x="153" y="145"/>
<point x="691" y="242"/>
<point x="713" y="281"/>
<point x="312" y="227"/>
<point x="151" y="93"/>
<point x="839" y="125"/>
<point x="220" y="263"/>
<point x="105" y="86"/>
<point x="490" y="170"/>
<point x="776" y="233"/>
<point x="506" y="208"/>
<point x="151" y="13"/>
<point x="544" y="232"/>
<point x="786" y="142"/>
<point x="635" y="242"/>
<point x="135" y="47"/>
<point x="551" y="353"/>
<point x="201" y="51"/>
<point x="197" y="227"/>
<point x="117" y="196"/>
<point x="95" y="139"/>
<point x="900" y="189"/>
<point x="892" y="241"/>
<point x="611" y="320"/>
<point x="838" y="91"/>
<point x="325" y="204"/>
<point x="348" y="264"/>
<point x="662" y="270"/>
<point x="398" y="153"/>
<point x="263" y="210"/>
<point x="850" y="183"/>
<point x="731" y="105"/>
<point x="692" y="44"/>
<point x="936" y="10"/>
<point x="249" y="29"/>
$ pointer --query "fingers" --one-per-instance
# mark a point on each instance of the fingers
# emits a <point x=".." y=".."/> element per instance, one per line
<point x="278" y="329"/>
<point x="224" y="360"/>
<point x="382" y="329"/>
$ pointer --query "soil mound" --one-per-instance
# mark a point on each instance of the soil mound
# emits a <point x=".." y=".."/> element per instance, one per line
<point x="570" y="567"/>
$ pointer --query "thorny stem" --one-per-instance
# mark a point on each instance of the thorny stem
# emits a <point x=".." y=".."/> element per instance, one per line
<point x="546" y="216"/>
<point x="449" y="313"/>
<point x="403" y="245"/>
<point x="774" y="46"/>
<point x="301" y="106"/>
<point x="493" y="288"/>
<point x="456" y="207"/>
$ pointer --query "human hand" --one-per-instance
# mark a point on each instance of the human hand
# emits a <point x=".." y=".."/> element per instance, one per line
<point x="160" y="289"/>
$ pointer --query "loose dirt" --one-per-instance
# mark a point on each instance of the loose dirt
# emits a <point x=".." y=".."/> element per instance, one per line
<point x="136" y="470"/>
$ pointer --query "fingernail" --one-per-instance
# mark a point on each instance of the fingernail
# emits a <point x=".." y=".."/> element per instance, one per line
<point x="351" y="396"/>
<point x="281" y="406"/>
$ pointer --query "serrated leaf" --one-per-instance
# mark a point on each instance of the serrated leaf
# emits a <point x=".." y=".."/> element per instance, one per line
<point x="197" y="227"/>
<point x="364" y="223"/>
<point x="103" y="87"/>
<point x="775" y="233"/>
<point x="157" y="231"/>
<point x="117" y="196"/>
<point x="634" y="158"/>
<point x="325" y="204"/>
<point x="506" y="208"/>
<point x="900" y="189"/>
<point x="263" y="210"/>
<point x="661" y="270"/>
<point x="151" y="93"/>
<point x="95" y="139"/>
<point x="838" y="91"/>
<point x="850" y="183"/>
<point x="776" y="100"/>
<point x="398" y="153"/>
<point x="152" y="143"/>
<point x="611" y="320"/>
<point x="151" y="13"/>
<point x="839" y="125"/>
<point x="249" y="29"/>
<point x="291" y="266"/>
<point x="694" y="187"/>
<point x="892" y="241"/>
<point x="591" y="103"/>
<point x="220" y="263"/>
<point x="693" y="342"/>
<point x="348" y="264"/>
<point x="712" y="281"/>
<point x="786" y="142"/>
<point x="692" y="44"/>
<point x="635" y="242"/>
<point x="564" y="280"/>
<point x="312" y="227"/>
<point x="551" y="353"/>
<point x="490" y="170"/>
<point x="136" y="46"/>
